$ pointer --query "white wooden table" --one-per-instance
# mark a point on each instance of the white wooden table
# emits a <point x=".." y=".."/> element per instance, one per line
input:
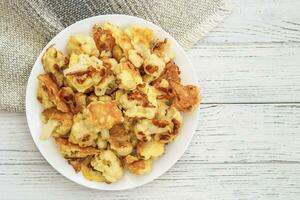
<point x="247" y="145"/>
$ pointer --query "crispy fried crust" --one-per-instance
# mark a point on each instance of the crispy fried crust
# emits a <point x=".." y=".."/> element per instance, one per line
<point x="63" y="121"/>
<point x="171" y="72"/>
<point x="53" y="113"/>
<point x="121" y="39"/>
<point x="76" y="163"/>
<point x="160" y="123"/>
<point x="176" y="127"/>
<point x="151" y="69"/>
<point x="52" y="90"/>
<point x="167" y="137"/>
<point x="137" y="166"/>
<point x="159" y="46"/>
<point x="104" y="114"/>
<point x="103" y="39"/>
<point x="75" y="101"/>
<point x="163" y="50"/>
<point x="120" y="140"/>
<point x="81" y="76"/>
<point x="53" y="62"/>
<point x="186" y="97"/>
<point x="118" y="132"/>
<point x="141" y="97"/>
<point x="70" y="150"/>
<point x="163" y="137"/>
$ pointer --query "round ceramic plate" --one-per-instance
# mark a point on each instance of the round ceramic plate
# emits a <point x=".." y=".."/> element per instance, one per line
<point x="51" y="152"/>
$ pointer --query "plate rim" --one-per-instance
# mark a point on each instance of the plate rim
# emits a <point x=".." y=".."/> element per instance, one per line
<point x="27" y="100"/>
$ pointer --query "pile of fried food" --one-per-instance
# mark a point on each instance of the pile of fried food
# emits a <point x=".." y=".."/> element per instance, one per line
<point x="114" y="101"/>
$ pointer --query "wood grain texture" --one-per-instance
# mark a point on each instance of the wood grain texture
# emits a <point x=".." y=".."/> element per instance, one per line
<point x="255" y="21"/>
<point x="183" y="181"/>
<point x="248" y="73"/>
<point x="253" y="56"/>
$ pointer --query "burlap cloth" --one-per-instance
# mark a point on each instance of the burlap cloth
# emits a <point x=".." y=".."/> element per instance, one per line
<point x="27" y="25"/>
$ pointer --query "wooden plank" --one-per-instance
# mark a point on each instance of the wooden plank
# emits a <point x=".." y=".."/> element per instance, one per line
<point x="258" y="133"/>
<point x="259" y="21"/>
<point x="249" y="73"/>
<point x="183" y="181"/>
<point x="226" y="134"/>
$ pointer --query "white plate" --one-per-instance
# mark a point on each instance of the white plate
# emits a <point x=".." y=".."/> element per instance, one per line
<point x="48" y="148"/>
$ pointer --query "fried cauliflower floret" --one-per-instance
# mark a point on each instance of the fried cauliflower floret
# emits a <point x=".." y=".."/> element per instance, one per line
<point x="167" y="121"/>
<point x="57" y="123"/>
<point x="80" y="134"/>
<point x="162" y="83"/>
<point x="137" y="104"/>
<point x="119" y="140"/>
<point x="141" y="39"/>
<point x="84" y="72"/>
<point x="135" y="58"/>
<point x="170" y="73"/>
<point x="154" y="66"/>
<point x="89" y="173"/>
<point x="43" y="98"/>
<point x="109" y="164"/>
<point x="104" y="41"/>
<point x="54" y="61"/>
<point x="107" y="83"/>
<point x="137" y="166"/>
<point x="163" y="50"/>
<point x="102" y="115"/>
<point x="145" y="128"/>
<point x="174" y="119"/>
<point x="52" y="90"/>
<point x="82" y="61"/>
<point x="150" y="149"/>
<point x="48" y="129"/>
<point x="128" y="76"/>
<point x="82" y="44"/>
<point x="121" y="38"/>
<point x="75" y="101"/>
<point x="186" y="97"/>
<point x="69" y="150"/>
